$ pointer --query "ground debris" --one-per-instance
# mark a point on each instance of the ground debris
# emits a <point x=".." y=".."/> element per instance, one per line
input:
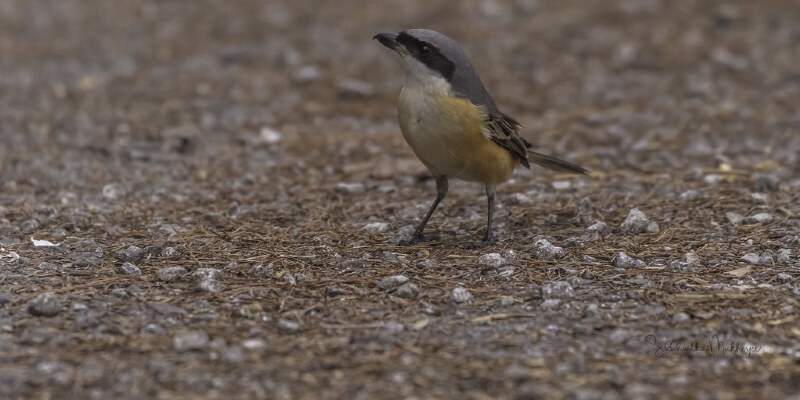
<point x="261" y="140"/>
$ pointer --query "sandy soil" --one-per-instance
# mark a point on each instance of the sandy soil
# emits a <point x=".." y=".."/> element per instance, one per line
<point x="244" y="159"/>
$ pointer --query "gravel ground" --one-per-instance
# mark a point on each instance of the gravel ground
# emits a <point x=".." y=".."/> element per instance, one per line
<point x="202" y="199"/>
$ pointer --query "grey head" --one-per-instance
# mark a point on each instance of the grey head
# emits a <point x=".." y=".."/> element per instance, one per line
<point x="442" y="56"/>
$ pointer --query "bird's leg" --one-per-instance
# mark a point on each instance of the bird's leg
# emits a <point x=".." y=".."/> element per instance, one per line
<point x="487" y="238"/>
<point x="441" y="190"/>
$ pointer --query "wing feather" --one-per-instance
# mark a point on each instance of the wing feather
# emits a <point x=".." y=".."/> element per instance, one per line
<point x="504" y="131"/>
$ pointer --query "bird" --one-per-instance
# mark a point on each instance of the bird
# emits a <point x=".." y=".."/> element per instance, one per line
<point x="451" y="123"/>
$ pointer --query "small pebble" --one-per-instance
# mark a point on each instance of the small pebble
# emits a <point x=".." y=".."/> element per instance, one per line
<point x="332" y="291"/>
<point x="390" y="282"/>
<point x="558" y="290"/>
<point x="625" y="261"/>
<point x="353" y="263"/>
<point x="767" y="258"/>
<point x="407" y="291"/>
<point x="689" y="195"/>
<point x="713" y="179"/>
<point x="543" y="250"/>
<point x="233" y="355"/>
<point x="289" y="278"/>
<point x="691" y="258"/>
<point x="376" y="227"/>
<point x="288" y="326"/>
<point x="261" y="271"/>
<point x="508" y="301"/>
<point x="44" y="305"/>
<point x="791" y="239"/>
<point x="505" y="271"/>
<point x="254" y="344"/>
<point x="600" y="227"/>
<point x="518" y="373"/>
<point x="509" y="255"/>
<point x="427" y="263"/>
<point x="583" y="211"/>
<point x="760" y="197"/>
<point x="520" y="198"/>
<point x="549" y="304"/>
<point x="190" y="340"/>
<point x="130" y="269"/>
<point x="152" y="330"/>
<point x="636" y="222"/>
<point x="133" y="254"/>
<point x="307" y="74"/>
<point x="269" y="136"/>
<point x="734" y="218"/>
<point x="134" y="290"/>
<point x="171" y="253"/>
<point x="207" y="279"/>
<point x="170" y="274"/>
<point x="112" y="191"/>
<point x="350" y="88"/>
<point x="233" y="208"/>
<point x="767" y="183"/>
<point x="678" y="266"/>
<point x="760" y="218"/>
<point x="167" y="309"/>
<point x="751" y="258"/>
<point x="386" y="189"/>
<point x="784" y="278"/>
<point x="694" y="174"/>
<point x="349" y="188"/>
<point x="491" y="260"/>
<point x="461" y="295"/>
<point x="681" y="316"/>
<point x="784" y="255"/>
<point x="561" y="185"/>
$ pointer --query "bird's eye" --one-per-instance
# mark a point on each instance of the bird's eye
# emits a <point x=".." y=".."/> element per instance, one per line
<point x="425" y="50"/>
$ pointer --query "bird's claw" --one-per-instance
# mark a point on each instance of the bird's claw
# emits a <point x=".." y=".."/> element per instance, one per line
<point x="486" y="242"/>
<point x="417" y="237"/>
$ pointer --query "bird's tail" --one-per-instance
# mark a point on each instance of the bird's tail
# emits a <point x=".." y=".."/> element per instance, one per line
<point x="555" y="164"/>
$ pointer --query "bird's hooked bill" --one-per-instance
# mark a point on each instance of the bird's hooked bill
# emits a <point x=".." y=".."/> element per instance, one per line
<point x="387" y="39"/>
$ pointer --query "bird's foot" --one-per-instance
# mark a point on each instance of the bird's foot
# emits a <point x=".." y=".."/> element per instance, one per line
<point x="417" y="237"/>
<point x="486" y="242"/>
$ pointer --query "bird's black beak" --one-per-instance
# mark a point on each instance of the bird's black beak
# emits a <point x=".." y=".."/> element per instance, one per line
<point x="388" y="39"/>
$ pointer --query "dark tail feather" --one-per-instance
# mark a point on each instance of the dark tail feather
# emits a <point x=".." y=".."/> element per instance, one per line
<point x="555" y="164"/>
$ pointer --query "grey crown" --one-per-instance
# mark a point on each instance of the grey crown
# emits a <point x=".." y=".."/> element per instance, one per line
<point x="465" y="82"/>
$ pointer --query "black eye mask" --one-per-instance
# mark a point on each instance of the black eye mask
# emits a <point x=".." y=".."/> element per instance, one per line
<point x="428" y="54"/>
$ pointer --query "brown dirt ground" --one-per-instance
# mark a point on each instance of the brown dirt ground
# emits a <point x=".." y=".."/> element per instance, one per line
<point x="143" y="123"/>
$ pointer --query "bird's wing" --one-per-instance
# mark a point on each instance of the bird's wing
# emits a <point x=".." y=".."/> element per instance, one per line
<point x="504" y="131"/>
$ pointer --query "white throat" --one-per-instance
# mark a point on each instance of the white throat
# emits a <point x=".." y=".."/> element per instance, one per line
<point x="420" y="78"/>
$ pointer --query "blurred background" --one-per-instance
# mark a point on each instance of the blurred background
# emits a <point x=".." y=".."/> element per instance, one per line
<point x="644" y="84"/>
